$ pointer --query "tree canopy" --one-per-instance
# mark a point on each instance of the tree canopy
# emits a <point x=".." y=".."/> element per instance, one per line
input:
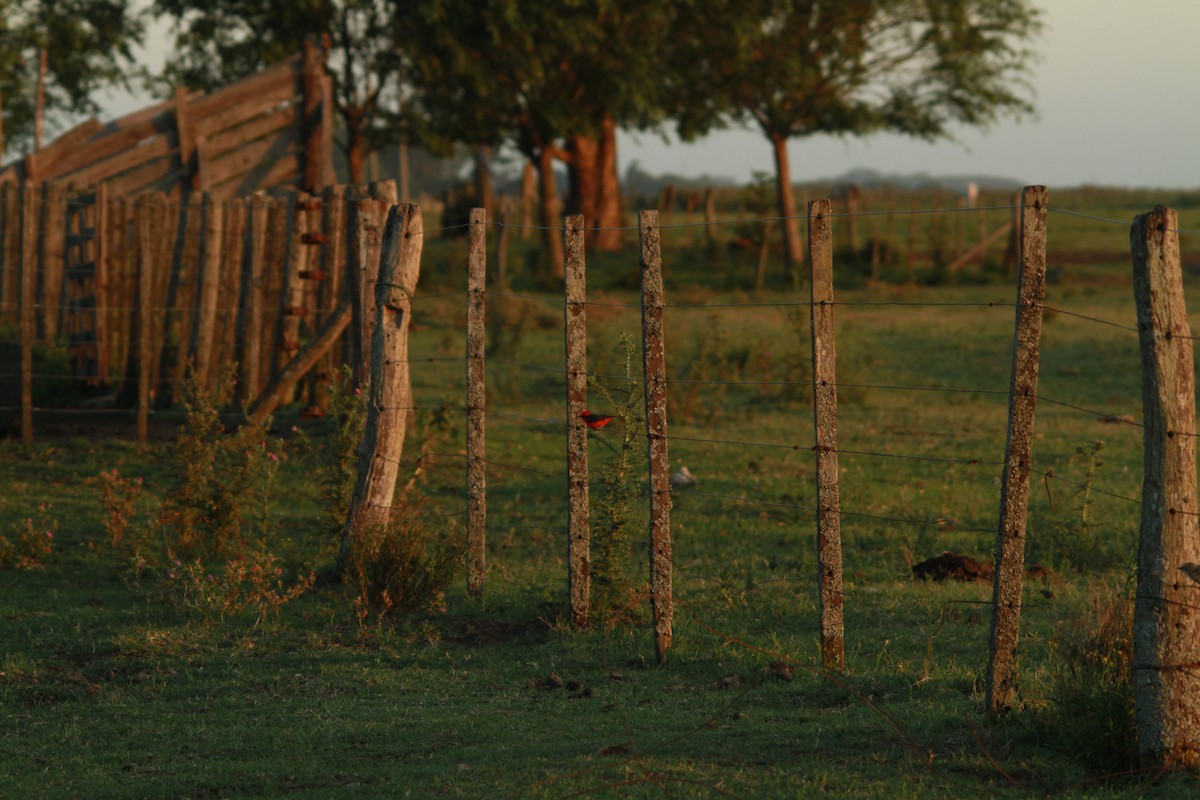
<point x="218" y="42"/>
<point x="88" y="46"/>
<point x="798" y="68"/>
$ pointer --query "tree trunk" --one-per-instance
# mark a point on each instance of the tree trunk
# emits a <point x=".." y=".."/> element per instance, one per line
<point x="551" y="224"/>
<point x="793" y="253"/>
<point x="596" y="186"/>
<point x="608" y="188"/>
<point x="354" y="153"/>
<point x="484" y="196"/>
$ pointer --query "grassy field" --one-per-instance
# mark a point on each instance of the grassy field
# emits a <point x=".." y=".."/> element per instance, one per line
<point x="117" y="681"/>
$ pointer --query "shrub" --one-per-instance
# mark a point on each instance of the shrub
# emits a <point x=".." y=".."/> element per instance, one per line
<point x="219" y="477"/>
<point x="401" y="567"/>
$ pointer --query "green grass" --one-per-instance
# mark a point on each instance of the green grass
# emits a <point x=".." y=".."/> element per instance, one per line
<point x="108" y="690"/>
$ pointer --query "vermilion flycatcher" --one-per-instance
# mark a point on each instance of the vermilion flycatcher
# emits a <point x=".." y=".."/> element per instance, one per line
<point x="595" y="420"/>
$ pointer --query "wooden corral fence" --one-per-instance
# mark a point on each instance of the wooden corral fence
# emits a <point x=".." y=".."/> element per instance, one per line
<point x="139" y="288"/>
<point x="273" y="130"/>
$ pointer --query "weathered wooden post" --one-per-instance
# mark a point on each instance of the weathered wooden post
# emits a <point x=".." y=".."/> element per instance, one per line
<point x="146" y="266"/>
<point x="1166" y="616"/>
<point x="388" y="399"/>
<point x="829" y="510"/>
<point x="209" y="290"/>
<point x="476" y="403"/>
<point x="1018" y="453"/>
<point x="579" y="558"/>
<point x="27" y="310"/>
<point x="654" y="361"/>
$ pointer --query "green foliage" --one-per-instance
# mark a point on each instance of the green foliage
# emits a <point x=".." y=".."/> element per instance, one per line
<point x="218" y="42"/>
<point x="1090" y="708"/>
<point x="1074" y="537"/>
<point x="250" y="586"/>
<point x="401" y="568"/>
<point x="614" y="508"/>
<point x="334" y="455"/>
<point x="223" y="480"/>
<point x="89" y="46"/>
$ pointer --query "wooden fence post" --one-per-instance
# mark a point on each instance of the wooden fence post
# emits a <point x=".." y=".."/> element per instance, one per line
<point x="250" y="321"/>
<point x="829" y="510"/>
<point x="579" y="544"/>
<point x="209" y="291"/>
<point x="662" y="599"/>
<point x="53" y="241"/>
<point x="10" y="253"/>
<point x="364" y="270"/>
<point x="27" y="311"/>
<point x="389" y="398"/>
<point x="1018" y="454"/>
<point x="292" y="295"/>
<point x="476" y="403"/>
<point x="146" y="267"/>
<point x="1166" y="617"/>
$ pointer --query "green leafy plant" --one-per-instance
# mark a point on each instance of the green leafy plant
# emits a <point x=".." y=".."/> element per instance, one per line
<point x="613" y="507"/>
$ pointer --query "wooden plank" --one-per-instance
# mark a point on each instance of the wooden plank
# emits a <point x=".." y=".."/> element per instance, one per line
<point x="26" y="311"/>
<point x="123" y="161"/>
<point x="829" y="512"/>
<point x="255" y="157"/>
<point x="53" y="251"/>
<point x="222" y="142"/>
<point x="662" y="599"/>
<point x="312" y="85"/>
<point x="10" y="254"/>
<point x="114" y="140"/>
<point x="179" y="314"/>
<point x="366" y="214"/>
<point x="185" y="139"/>
<point x="224" y="123"/>
<point x="291" y="299"/>
<point x="382" y="447"/>
<point x="1166" y="616"/>
<point x="284" y="384"/>
<point x="476" y="403"/>
<point x="265" y="84"/>
<point x="146" y="267"/>
<point x="579" y="545"/>
<point x="225" y="344"/>
<point x="51" y="156"/>
<point x="208" y="292"/>
<point x="1018" y="454"/>
<point x="250" y="322"/>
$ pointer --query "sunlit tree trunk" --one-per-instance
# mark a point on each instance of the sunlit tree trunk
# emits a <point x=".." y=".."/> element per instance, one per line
<point x="551" y="222"/>
<point x="793" y="251"/>
<point x="596" y="186"/>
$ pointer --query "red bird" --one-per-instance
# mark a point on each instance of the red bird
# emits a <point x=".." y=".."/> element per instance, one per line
<point x="595" y="420"/>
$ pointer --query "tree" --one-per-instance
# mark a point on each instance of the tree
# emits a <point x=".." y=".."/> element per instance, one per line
<point x="218" y="42"/>
<point x="88" y="46"/>
<point x="799" y="68"/>
<point x="554" y="79"/>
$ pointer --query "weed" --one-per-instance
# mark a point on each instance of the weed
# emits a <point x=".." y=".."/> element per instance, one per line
<point x="252" y="584"/>
<point x="1074" y="539"/>
<point x="613" y="509"/>
<point x="119" y="498"/>
<point x="219" y="476"/>
<point x="1091" y="692"/>
<point x="29" y="545"/>
<point x="335" y="456"/>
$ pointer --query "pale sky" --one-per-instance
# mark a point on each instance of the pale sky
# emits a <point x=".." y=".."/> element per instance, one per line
<point x="1118" y="104"/>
